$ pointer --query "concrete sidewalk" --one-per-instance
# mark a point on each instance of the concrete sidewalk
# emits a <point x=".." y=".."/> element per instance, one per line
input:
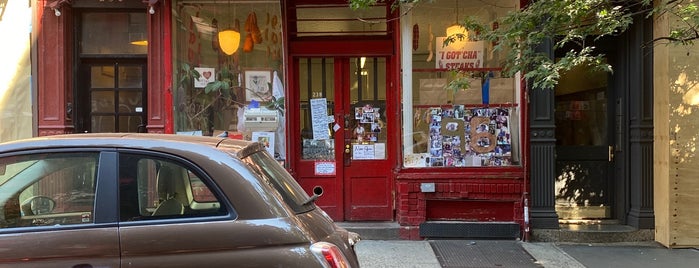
<point x="401" y="253"/>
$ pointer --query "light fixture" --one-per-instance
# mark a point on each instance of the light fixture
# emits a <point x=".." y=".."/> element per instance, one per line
<point x="229" y="39"/>
<point x="140" y="43"/>
<point x="57" y="12"/>
<point x="362" y="61"/>
<point x="151" y="10"/>
<point x="456" y="28"/>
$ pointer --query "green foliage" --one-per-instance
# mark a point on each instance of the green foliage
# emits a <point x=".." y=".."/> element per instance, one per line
<point x="567" y="23"/>
<point x="201" y="105"/>
<point x="458" y="82"/>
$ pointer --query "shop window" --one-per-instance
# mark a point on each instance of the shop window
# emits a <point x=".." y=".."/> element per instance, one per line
<point x="114" y="33"/>
<point x="474" y="123"/>
<point x="227" y="69"/>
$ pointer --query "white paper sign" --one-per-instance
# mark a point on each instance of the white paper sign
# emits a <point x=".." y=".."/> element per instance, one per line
<point x="206" y="76"/>
<point x="363" y="151"/>
<point x="380" y="150"/>
<point x="459" y="55"/>
<point x="325" y="168"/>
<point x="319" y="119"/>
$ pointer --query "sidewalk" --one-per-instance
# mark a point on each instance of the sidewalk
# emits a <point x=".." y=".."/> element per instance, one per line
<point x="499" y="253"/>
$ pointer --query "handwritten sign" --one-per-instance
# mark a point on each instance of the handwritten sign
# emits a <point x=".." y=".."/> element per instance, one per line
<point x="319" y="119"/>
<point x="363" y="151"/>
<point x="459" y="55"/>
<point x="325" y="168"/>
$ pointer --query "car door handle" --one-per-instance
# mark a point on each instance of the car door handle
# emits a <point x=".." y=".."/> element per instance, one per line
<point x="82" y="265"/>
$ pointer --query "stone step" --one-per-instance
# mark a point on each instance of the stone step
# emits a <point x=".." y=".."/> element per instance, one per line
<point x="593" y="233"/>
<point x="373" y="230"/>
<point x="470" y="230"/>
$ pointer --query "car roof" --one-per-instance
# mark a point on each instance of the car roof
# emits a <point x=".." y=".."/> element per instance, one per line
<point x="239" y="148"/>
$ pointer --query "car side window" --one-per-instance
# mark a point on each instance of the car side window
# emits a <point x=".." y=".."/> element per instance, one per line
<point x="47" y="189"/>
<point x="155" y="188"/>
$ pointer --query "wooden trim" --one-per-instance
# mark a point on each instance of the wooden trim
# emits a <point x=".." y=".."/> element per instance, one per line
<point x="54" y="70"/>
<point x="158" y="69"/>
<point x="339" y="48"/>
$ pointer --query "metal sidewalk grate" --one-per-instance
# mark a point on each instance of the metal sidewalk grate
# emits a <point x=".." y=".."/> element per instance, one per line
<point x="481" y="253"/>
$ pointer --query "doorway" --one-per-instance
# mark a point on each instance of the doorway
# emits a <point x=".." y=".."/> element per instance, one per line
<point x="342" y="134"/>
<point x="110" y="97"/>
<point x="586" y="122"/>
<point x="111" y="83"/>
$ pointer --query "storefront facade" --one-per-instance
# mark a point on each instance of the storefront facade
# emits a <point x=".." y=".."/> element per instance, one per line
<point x="351" y="102"/>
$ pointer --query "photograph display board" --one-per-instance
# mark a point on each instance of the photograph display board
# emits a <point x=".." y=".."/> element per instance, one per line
<point x="460" y="137"/>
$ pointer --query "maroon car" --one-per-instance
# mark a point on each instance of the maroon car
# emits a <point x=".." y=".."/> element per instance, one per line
<point x="147" y="200"/>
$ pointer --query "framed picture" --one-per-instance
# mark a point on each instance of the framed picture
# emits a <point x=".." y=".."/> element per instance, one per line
<point x="266" y="138"/>
<point x="207" y="75"/>
<point x="258" y="84"/>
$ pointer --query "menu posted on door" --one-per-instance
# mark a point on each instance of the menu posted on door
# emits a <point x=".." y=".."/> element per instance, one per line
<point x="320" y="119"/>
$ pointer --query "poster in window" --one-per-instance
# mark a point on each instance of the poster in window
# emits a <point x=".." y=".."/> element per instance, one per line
<point x="258" y="85"/>
<point x="266" y="138"/>
<point x="206" y="76"/>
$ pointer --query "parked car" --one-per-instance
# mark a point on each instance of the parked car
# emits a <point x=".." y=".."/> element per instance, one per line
<point x="159" y="200"/>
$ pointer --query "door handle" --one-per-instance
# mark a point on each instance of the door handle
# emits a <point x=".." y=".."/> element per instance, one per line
<point x="347" y="158"/>
<point x="611" y="153"/>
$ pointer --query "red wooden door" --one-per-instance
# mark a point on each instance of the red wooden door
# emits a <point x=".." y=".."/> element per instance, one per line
<point x="342" y="135"/>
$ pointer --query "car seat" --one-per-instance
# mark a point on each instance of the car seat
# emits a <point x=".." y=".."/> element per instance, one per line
<point x="169" y="184"/>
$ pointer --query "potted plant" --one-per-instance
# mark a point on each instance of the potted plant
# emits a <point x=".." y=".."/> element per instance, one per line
<point x="199" y="107"/>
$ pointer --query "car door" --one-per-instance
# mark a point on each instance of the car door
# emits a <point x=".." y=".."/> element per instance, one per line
<point x="173" y="216"/>
<point x="48" y="212"/>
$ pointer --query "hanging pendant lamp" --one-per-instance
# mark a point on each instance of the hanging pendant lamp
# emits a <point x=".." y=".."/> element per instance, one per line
<point x="229" y="39"/>
<point x="456" y="28"/>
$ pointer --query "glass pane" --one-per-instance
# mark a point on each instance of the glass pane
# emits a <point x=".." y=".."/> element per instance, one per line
<point x="102" y="123"/>
<point x="114" y="33"/>
<point x="49" y="189"/>
<point x="130" y="77"/>
<point x="317" y="77"/>
<point x="102" y="77"/>
<point x="316" y="21"/>
<point x="198" y="51"/>
<point x="102" y="101"/>
<point x="581" y="108"/>
<point x="469" y="124"/>
<point x="151" y="188"/>
<point x="129" y="123"/>
<point x="368" y="102"/>
<point x="129" y="101"/>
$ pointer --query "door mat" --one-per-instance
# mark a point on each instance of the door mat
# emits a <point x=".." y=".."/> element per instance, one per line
<point x="482" y="253"/>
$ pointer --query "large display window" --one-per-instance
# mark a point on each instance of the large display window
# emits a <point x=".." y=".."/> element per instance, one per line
<point x="465" y="112"/>
<point x="225" y="57"/>
<point x="228" y="70"/>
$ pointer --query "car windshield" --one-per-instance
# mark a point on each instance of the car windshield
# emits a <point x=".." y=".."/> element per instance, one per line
<point x="294" y="196"/>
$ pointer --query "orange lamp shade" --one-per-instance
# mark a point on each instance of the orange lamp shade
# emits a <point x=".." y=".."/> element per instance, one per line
<point x="229" y="41"/>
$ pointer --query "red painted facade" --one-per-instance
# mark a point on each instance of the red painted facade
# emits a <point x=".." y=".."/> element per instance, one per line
<point x="461" y="194"/>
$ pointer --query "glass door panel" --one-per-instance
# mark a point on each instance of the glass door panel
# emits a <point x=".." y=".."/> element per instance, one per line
<point x="317" y="83"/>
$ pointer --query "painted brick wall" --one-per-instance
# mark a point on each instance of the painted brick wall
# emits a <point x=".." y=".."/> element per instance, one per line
<point x="501" y="199"/>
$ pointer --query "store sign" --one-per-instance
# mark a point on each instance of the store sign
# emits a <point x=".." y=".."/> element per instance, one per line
<point x="459" y="55"/>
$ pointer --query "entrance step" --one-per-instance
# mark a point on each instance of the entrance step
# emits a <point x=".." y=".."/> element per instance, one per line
<point x="373" y="230"/>
<point x="593" y="232"/>
<point x="470" y="230"/>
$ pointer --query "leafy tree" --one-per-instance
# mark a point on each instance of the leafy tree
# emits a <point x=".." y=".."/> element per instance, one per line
<point x="567" y="23"/>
